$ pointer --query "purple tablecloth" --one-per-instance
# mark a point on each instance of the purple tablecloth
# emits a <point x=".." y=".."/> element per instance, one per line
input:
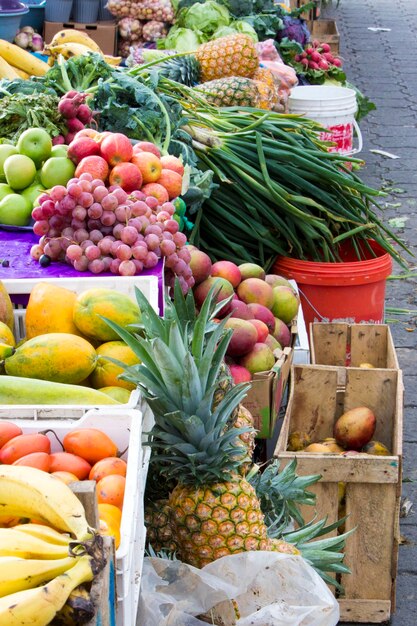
<point x="15" y="248"/>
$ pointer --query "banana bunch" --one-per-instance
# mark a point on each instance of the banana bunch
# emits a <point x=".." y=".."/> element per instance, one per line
<point x="70" y="42"/>
<point x="43" y="565"/>
<point x="18" y="63"/>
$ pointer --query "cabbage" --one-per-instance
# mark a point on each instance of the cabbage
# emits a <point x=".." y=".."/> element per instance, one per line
<point x="183" y="39"/>
<point x="243" y="27"/>
<point x="224" y="31"/>
<point x="207" y="17"/>
<point x="295" y="29"/>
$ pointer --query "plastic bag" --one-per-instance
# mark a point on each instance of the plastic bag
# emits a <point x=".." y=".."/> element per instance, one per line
<point x="159" y="10"/>
<point x="246" y="589"/>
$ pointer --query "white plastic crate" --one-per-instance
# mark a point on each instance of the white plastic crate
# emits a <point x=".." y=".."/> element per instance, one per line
<point x="148" y="285"/>
<point x="125" y="429"/>
<point x="301" y="347"/>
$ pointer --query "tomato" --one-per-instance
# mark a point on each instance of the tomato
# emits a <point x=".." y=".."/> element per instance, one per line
<point x="22" y="445"/>
<point x="8" y="430"/>
<point x="67" y="462"/>
<point x="66" y="477"/>
<point x="91" y="444"/>
<point x="111" y="490"/>
<point x="41" y="460"/>
<point x="108" y="466"/>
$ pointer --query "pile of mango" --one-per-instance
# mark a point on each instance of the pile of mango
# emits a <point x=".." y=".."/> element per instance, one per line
<point x="66" y="355"/>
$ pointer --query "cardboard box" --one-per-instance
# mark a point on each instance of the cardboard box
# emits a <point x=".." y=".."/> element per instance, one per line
<point x="103" y="33"/>
<point x="373" y="483"/>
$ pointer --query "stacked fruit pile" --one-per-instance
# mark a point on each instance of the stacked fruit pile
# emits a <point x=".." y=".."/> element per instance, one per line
<point x="262" y="308"/>
<point x="49" y="554"/>
<point x="57" y="362"/>
<point x="26" y="170"/>
<point x="70" y="43"/>
<point x="86" y="454"/>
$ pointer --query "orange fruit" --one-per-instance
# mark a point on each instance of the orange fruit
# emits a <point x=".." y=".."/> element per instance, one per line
<point x="66" y="477"/>
<point x="111" y="490"/>
<point x="106" y="467"/>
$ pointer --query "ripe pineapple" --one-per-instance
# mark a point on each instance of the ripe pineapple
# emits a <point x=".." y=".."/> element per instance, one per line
<point x="233" y="55"/>
<point x="235" y="91"/>
<point x="158" y="526"/>
<point x="184" y="70"/>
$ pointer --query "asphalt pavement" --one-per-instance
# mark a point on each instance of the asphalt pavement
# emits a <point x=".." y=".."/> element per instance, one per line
<point x="381" y="63"/>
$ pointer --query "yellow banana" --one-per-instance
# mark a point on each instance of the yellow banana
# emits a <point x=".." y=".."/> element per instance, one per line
<point x="29" y="573"/>
<point x="112" y="60"/>
<point x="22" y="59"/>
<point x="68" y="50"/>
<point x="20" y="72"/>
<point x="44" y="532"/>
<point x="71" y="35"/>
<point x="15" y="543"/>
<point x="29" y="492"/>
<point x="6" y="70"/>
<point x="38" y="607"/>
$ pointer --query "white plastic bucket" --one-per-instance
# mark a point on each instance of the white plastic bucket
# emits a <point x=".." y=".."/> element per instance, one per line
<point x="334" y="108"/>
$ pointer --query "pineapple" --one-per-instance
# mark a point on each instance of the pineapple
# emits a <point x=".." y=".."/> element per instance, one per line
<point x="233" y="55"/>
<point x="158" y="526"/>
<point x="184" y="70"/>
<point x="235" y="91"/>
<point x="268" y="85"/>
<point x="214" y="510"/>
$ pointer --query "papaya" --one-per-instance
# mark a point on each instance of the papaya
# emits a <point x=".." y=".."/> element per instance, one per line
<point x="50" y="310"/>
<point x="90" y="306"/>
<point x="56" y="357"/>
<point x="117" y="393"/>
<point x="6" y="335"/>
<point x="106" y="373"/>
<point x="16" y="390"/>
<point x="6" y="307"/>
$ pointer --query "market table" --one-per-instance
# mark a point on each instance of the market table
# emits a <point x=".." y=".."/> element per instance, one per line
<point x="15" y="248"/>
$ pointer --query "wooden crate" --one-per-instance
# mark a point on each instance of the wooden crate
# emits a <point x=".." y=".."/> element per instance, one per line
<point x="373" y="483"/>
<point x="310" y="14"/>
<point x="352" y="344"/>
<point x="325" y="31"/>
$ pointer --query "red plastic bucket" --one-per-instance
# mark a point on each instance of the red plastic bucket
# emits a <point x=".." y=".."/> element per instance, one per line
<point x="352" y="291"/>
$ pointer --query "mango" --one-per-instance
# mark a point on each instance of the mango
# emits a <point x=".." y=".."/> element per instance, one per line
<point x="355" y="428"/>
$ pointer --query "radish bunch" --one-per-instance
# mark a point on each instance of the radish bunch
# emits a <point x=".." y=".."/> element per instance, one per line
<point x="317" y="56"/>
<point x="77" y="114"/>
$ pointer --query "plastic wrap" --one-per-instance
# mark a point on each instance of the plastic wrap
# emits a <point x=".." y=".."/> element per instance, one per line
<point x="247" y="589"/>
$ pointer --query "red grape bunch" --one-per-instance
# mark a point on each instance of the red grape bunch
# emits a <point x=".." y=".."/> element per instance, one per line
<point x="100" y="229"/>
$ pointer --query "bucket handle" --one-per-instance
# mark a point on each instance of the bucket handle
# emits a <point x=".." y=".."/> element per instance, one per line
<point x="360" y="139"/>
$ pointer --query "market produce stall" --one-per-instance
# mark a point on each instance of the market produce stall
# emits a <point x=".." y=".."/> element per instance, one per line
<point x="152" y="206"/>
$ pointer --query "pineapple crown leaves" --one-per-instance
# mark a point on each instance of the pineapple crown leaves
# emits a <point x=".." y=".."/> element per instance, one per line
<point x="281" y="493"/>
<point x="200" y="449"/>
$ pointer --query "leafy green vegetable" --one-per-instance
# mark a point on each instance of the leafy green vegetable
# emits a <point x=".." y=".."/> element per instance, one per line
<point x="23" y="86"/>
<point x="79" y="73"/>
<point x="183" y="39"/>
<point x="242" y="26"/>
<point x="21" y="111"/>
<point x="207" y="17"/>
<point x="264" y="24"/>
<point x="365" y="105"/>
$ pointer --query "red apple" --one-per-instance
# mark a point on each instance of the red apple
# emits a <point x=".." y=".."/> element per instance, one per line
<point x="172" y="183"/>
<point x="149" y="164"/>
<point x="173" y="163"/>
<point x="94" y="165"/>
<point x="157" y="191"/>
<point x="88" y="132"/>
<point x="116" y="148"/>
<point x="127" y="176"/>
<point x="82" y="147"/>
<point x="146" y="146"/>
<point x="102" y="136"/>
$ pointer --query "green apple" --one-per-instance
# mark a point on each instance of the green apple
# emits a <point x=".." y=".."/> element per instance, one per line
<point x="14" y="210"/>
<point x="20" y="171"/>
<point x="31" y="193"/>
<point x="5" y="190"/>
<point x="57" y="171"/>
<point x="59" y="151"/>
<point x="36" y="144"/>
<point x="6" y="150"/>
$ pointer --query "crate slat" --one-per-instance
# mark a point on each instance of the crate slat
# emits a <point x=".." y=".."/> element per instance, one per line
<point x="365" y="611"/>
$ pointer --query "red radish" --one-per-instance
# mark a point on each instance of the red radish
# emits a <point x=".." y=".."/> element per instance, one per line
<point x="325" y="47"/>
<point x="66" y="108"/>
<point x="328" y="56"/>
<point x="59" y="139"/>
<point x="84" y="113"/>
<point x="337" y="62"/>
<point x="315" y="56"/>
<point x="309" y="50"/>
<point x="312" y="65"/>
<point x="304" y="62"/>
<point x="69" y="137"/>
<point x="74" y="125"/>
<point x="323" y="65"/>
